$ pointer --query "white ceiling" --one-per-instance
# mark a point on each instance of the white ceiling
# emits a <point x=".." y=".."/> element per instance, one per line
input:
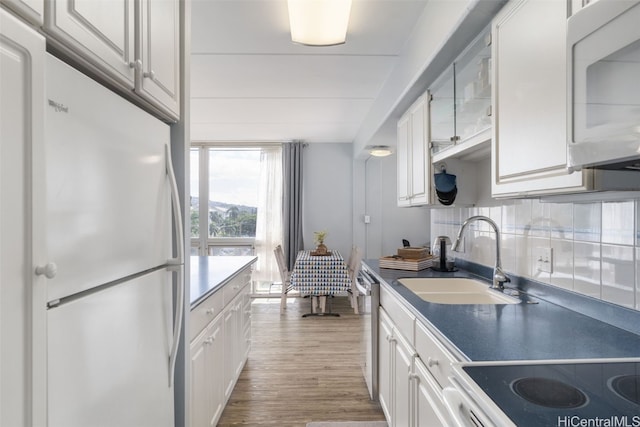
<point x="249" y="82"/>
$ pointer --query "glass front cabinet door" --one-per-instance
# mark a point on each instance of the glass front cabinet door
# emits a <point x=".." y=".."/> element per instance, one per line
<point x="442" y="108"/>
<point x="460" y="100"/>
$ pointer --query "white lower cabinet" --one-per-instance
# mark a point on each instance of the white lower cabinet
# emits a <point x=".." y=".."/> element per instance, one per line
<point x="246" y="323"/>
<point x="395" y="361"/>
<point x="396" y="369"/>
<point x="237" y="326"/>
<point x="403" y="356"/>
<point x="220" y="349"/>
<point x="410" y="382"/>
<point x="207" y="392"/>
<point x="430" y="410"/>
<point x="231" y="346"/>
<point x="385" y="331"/>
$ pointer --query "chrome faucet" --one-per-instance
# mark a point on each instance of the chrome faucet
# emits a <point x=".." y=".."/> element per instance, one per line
<point x="499" y="278"/>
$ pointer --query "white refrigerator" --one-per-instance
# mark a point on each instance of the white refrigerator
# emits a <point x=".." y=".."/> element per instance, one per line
<point x="115" y="285"/>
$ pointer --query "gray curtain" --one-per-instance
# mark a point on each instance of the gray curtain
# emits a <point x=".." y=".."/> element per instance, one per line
<point x="292" y="201"/>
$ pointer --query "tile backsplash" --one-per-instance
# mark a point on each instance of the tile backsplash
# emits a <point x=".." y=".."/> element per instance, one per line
<point x="595" y="246"/>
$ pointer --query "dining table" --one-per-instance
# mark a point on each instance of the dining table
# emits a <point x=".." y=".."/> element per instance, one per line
<point x="320" y="276"/>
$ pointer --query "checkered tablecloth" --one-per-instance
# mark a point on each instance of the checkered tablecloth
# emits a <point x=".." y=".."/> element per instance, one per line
<point x="320" y="275"/>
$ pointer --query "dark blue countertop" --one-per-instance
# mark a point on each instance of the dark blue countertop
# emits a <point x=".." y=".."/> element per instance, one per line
<point x="524" y="331"/>
<point x="209" y="273"/>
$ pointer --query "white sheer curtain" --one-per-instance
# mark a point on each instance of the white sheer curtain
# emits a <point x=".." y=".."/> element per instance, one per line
<point x="269" y="219"/>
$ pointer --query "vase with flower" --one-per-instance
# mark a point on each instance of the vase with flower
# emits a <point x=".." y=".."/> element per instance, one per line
<point x="319" y="237"/>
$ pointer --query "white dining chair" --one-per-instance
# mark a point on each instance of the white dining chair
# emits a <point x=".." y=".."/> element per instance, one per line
<point x="285" y="276"/>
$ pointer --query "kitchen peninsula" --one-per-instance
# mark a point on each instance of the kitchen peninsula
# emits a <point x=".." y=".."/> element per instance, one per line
<point x="209" y="274"/>
<point x="219" y="331"/>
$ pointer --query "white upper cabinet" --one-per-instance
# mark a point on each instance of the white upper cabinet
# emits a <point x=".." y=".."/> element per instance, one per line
<point x="100" y="31"/>
<point x="529" y="154"/>
<point x="460" y="103"/>
<point x="414" y="164"/>
<point x="576" y="5"/>
<point x="31" y="10"/>
<point x="442" y="112"/>
<point x="403" y="136"/>
<point x="133" y="44"/>
<point x="159" y="54"/>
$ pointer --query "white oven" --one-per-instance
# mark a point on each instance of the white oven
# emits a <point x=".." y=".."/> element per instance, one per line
<point x="603" y="41"/>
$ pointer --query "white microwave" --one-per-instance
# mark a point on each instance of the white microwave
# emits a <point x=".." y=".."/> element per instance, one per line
<point x="603" y="41"/>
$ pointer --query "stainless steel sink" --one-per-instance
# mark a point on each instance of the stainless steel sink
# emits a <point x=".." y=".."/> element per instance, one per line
<point x="456" y="291"/>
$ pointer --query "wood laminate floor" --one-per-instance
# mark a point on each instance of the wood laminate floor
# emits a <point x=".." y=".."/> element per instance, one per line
<point x="301" y="369"/>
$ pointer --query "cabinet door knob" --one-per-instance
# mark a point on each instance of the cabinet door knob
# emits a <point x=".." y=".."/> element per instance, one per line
<point x="150" y="75"/>
<point x="431" y="362"/>
<point x="48" y="270"/>
<point x="210" y="311"/>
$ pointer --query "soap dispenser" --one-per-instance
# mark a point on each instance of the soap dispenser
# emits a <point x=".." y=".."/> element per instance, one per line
<point x="440" y="245"/>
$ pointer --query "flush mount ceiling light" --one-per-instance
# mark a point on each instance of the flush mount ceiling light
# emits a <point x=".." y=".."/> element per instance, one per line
<point x="380" y="150"/>
<point x="319" y="22"/>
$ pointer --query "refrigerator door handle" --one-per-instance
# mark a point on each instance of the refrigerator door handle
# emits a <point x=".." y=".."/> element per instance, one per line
<point x="177" y="321"/>
<point x="177" y="212"/>
<point x="178" y="261"/>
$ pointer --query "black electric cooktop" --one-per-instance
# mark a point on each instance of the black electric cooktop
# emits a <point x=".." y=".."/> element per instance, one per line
<point x="568" y="394"/>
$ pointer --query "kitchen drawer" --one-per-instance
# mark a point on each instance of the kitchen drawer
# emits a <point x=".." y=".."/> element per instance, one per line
<point x="399" y="314"/>
<point x="235" y="285"/>
<point x="205" y="312"/>
<point x="435" y="357"/>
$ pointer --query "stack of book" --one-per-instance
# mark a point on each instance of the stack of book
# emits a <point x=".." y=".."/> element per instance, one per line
<point x="410" y="264"/>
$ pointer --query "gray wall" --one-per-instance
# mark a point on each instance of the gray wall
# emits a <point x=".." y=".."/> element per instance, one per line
<point x="339" y="191"/>
<point x="375" y="195"/>
<point x="327" y="195"/>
